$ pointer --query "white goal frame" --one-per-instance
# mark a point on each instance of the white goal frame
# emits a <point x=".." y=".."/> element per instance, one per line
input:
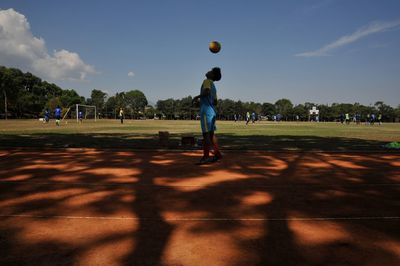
<point x="84" y="105"/>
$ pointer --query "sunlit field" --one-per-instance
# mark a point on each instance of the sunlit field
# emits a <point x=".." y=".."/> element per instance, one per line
<point x="144" y="134"/>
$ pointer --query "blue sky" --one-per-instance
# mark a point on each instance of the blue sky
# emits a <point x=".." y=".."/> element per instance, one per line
<point x="320" y="51"/>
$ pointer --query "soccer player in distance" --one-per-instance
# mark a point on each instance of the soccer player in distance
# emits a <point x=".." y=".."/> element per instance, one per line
<point x="80" y="116"/>
<point x="208" y="100"/>
<point x="57" y="114"/>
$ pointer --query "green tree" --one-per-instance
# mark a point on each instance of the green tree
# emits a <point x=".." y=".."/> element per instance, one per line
<point x="184" y="107"/>
<point x="149" y="112"/>
<point x="111" y="107"/>
<point x="5" y="87"/>
<point x="11" y="86"/>
<point x="97" y="98"/>
<point x="51" y="90"/>
<point x="388" y="113"/>
<point x="225" y="109"/>
<point x="301" y="111"/>
<point x="325" y="113"/>
<point x="70" y="97"/>
<point x="52" y="104"/>
<point x="397" y="113"/>
<point x="239" y="108"/>
<point x="120" y="100"/>
<point x="136" y="102"/>
<point x="25" y="95"/>
<point x="167" y="108"/>
<point x="284" y="107"/>
<point x="268" y="109"/>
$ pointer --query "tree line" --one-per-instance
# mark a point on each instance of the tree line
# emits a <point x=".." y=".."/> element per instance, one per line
<point x="27" y="96"/>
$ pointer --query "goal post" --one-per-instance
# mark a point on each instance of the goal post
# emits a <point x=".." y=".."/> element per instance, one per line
<point x="66" y="113"/>
<point x="85" y="112"/>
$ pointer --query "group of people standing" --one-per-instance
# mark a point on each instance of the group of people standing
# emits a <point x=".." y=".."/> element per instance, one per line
<point x="370" y="119"/>
<point x="249" y="117"/>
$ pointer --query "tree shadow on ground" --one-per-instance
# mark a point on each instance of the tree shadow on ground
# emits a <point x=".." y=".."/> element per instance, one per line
<point x="298" y="143"/>
<point x="228" y="141"/>
<point x="252" y="208"/>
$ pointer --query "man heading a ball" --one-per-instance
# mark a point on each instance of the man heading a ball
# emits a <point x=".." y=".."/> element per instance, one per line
<point x="208" y="101"/>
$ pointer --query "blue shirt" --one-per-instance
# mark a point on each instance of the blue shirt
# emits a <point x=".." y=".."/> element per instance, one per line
<point x="207" y="102"/>
<point x="57" y="112"/>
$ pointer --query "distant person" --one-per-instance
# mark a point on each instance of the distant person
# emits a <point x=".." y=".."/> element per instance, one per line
<point x="380" y="119"/>
<point x="372" y="119"/>
<point x="358" y="118"/>
<point x="368" y="119"/>
<point x="347" y="117"/>
<point x="341" y="118"/>
<point x="235" y="117"/>
<point x="80" y="116"/>
<point x="57" y="114"/>
<point x="121" y="115"/>
<point x="46" y="116"/>
<point x="253" y="117"/>
<point x="247" y="118"/>
<point x="297" y="117"/>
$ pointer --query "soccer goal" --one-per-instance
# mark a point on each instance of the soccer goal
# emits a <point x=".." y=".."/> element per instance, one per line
<point x="85" y="112"/>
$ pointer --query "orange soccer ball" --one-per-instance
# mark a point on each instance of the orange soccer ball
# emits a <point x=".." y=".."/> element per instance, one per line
<point x="214" y="47"/>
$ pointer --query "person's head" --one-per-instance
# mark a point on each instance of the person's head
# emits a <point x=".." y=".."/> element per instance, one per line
<point x="214" y="74"/>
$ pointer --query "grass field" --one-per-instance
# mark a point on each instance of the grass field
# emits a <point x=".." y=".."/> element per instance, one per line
<point x="303" y="194"/>
<point x="143" y="134"/>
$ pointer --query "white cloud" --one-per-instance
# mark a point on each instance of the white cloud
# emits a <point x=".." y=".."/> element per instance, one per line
<point x="19" y="48"/>
<point x="131" y="74"/>
<point x="375" y="27"/>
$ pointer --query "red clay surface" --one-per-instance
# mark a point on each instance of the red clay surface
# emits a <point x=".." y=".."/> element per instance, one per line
<point x="107" y="207"/>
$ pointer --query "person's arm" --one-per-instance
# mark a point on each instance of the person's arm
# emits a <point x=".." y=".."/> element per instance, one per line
<point x="204" y="92"/>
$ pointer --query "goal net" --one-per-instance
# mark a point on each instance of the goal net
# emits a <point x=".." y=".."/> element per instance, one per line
<point x="85" y="112"/>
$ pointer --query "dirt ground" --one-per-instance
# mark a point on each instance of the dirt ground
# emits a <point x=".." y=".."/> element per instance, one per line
<point x="121" y="207"/>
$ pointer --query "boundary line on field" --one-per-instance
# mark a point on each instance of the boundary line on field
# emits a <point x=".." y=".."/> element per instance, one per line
<point x="131" y="185"/>
<point x="348" y="218"/>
